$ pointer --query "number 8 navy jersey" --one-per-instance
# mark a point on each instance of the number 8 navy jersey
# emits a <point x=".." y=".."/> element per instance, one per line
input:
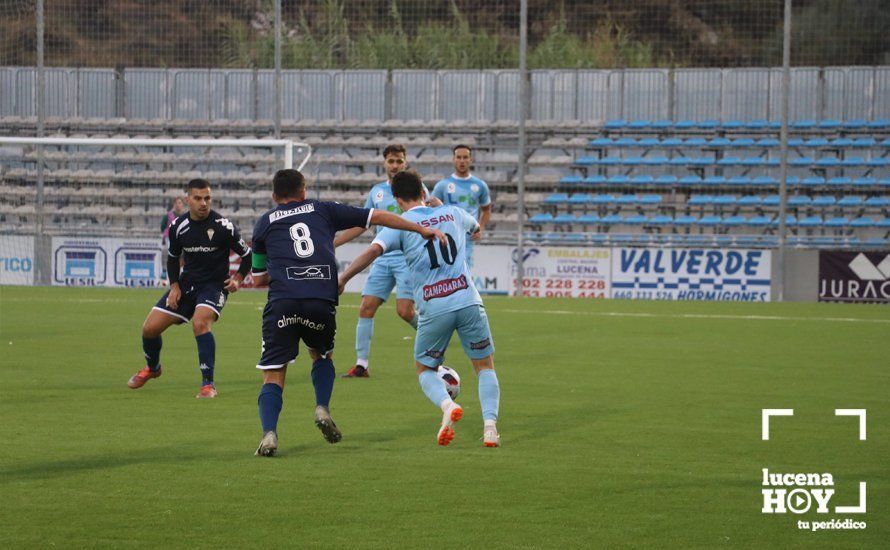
<point x="298" y="241"/>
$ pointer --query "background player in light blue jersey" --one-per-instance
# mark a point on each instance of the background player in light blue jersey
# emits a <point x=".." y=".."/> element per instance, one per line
<point x="466" y="191"/>
<point x="447" y="300"/>
<point x="387" y="273"/>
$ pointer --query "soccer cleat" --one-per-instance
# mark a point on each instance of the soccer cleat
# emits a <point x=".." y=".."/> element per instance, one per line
<point x="357" y="371"/>
<point x="446" y="432"/>
<point x="144" y="375"/>
<point x="208" y="391"/>
<point x="491" y="437"/>
<point x="268" y="445"/>
<point x="326" y="424"/>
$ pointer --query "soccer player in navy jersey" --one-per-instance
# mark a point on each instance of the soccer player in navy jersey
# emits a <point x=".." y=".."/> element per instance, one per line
<point x="464" y="190"/>
<point x="447" y="300"/>
<point x="294" y="253"/>
<point x="202" y="238"/>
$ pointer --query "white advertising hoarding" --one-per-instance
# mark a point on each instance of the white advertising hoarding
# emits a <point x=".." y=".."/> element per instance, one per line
<point x="16" y="260"/>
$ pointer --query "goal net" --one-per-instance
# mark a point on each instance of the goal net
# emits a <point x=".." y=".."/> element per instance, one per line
<point x="92" y="211"/>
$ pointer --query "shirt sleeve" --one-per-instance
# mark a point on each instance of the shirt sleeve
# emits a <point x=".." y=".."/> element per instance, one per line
<point x="344" y="217"/>
<point x="470" y="225"/>
<point x="484" y="196"/>
<point x="439" y="190"/>
<point x="389" y="239"/>
<point x="236" y="242"/>
<point x="369" y="202"/>
<point x="259" y="236"/>
<point x="174" y="249"/>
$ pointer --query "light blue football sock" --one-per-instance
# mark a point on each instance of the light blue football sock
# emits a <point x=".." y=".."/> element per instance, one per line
<point x="489" y="394"/>
<point x="363" y="333"/>
<point x="433" y="387"/>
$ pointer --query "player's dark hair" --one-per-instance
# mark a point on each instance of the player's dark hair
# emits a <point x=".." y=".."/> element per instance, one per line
<point x="407" y="185"/>
<point x="288" y="183"/>
<point x="197" y="183"/>
<point x="394" y="148"/>
<point x="461" y="146"/>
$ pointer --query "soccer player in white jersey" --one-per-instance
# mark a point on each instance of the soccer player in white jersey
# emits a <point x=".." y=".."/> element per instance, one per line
<point x="387" y="273"/>
<point x="464" y="190"/>
<point x="446" y="298"/>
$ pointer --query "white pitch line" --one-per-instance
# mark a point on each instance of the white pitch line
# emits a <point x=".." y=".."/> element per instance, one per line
<point x="692" y="316"/>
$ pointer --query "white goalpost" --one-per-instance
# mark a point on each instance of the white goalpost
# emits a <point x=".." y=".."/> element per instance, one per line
<point x="89" y="210"/>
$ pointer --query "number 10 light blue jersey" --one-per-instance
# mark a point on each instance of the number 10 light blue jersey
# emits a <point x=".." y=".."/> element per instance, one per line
<point x="439" y="274"/>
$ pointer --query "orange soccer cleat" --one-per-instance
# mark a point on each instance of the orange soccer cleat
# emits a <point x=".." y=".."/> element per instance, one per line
<point x="446" y="432"/>
<point x="144" y="375"/>
<point x="208" y="391"/>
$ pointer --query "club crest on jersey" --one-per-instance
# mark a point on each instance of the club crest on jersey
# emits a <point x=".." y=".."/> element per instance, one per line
<point x="379" y="196"/>
<point x="210" y="233"/>
<point x="474" y="188"/>
<point x="452" y="188"/>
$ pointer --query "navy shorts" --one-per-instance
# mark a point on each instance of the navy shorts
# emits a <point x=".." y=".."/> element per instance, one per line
<point x="286" y="322"/>
<point x="212" y="296"/>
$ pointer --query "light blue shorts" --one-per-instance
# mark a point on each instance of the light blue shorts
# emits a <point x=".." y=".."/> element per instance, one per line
<point x="434" y="334"/>
<point x="387" y="273"/>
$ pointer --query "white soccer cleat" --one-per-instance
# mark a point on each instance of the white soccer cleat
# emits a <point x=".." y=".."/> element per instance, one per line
<point x="268" y="445"/>
<point x="449" y="417"/>
<point x="326" y="424"/>
<point x="491" y="437"/>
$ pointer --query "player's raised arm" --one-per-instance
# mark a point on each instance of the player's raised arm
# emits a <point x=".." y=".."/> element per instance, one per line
<point x="388" y="219"/>
<point x="347" y="235"/>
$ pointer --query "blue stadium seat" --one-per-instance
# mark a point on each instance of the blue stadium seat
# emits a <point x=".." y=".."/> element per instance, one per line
<point x="758" y="221"/>
<point x="749" y="200"/>
<point x="801" y="161"/>
<point x="541" y="218"/>
<point x="793" y="181"/>
<point x="685" y="220"/>
<point x="739" y="181"/>
<point x="724" y="200"/>
<point x="601" y="142"/>
<point x="879" y="124"/>
<point x="767" y="142"/>
<point x="625" y="142"/>
<point x="865" y="182"/>
<point x="884" y="182"/>
<point x="862" y="222"/>
<point x="672" y="142"/>
<point x="829" y="124"/>
<point x="639" y="124"/>
<point x="708" y="124"/>
<point x="571" y="180"/>
<point x="654" y="160"/>
<point x="662" y="124"/>
<point x="848" y="162"/>
<point x="866" y="142"/>
<point x="649" y="142"/>
<point x="616" y="124"/>
<point x="795" y="142"/>
<point x="855" y="124"/>
<point x="733" y="124"/>
<point x="650" y="200"/>
<point x="594" y="180"/>
<point x="803" y="124"/>
<point x="883" y="223"/>
<point x="790" y="221"/>
<point x="812" y="181"/>
<point x="757" y="124"/>
<point x="618" y="179"/>
<point x="666" y="179"/>
<point x="564" y="219"/>
<point x="885" y="143"/>
<point x="602" y="199"/>
<point x="626" y="199"/>
<point x="841" y="142"/>
<point x="823" y="201"/>
<point x="799" y="200"/>
<point x="661" y="219"/>
<point x="587" y="161"/>
<point x="717" y="181"/>
<point x="875" y="242"/>
<point x="840" y="182"/>
<point x="579" y="199"/>
<point x="700" y="200"/>
<point x="719" y="142"/>
<point x="589" y="219"/>
<point x="836" y="222"/>
<point x="764" y="181"/>
<point x="556" y="198"/>
<point x="695" y="142"/>
<point x="612" y="219"/>
<point x="810" y="221"/>
<point x="690" y="180"/>
<point x="877" y="162"/>
<point x="636" y="220"/>
<point x="610" y="161"/>
<point x="680" y="161"/>
<point x="742" y="142"/>
<point x="878" y="202"/>
<point x="709" y="221"/>
<point x="729" y="161"/>
<point x="816" y="142"/>
<point x="642" y="180"/>
<point x="597" y="238"/>
<point x="850" y="201"/>
<point x="734" y="221"/>
<point x="771" y="200"/>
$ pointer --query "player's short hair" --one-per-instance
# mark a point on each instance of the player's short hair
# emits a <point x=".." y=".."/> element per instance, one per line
<point x="288" y="183"/>
<point x="407" y="185"/>
<point x="197" y="183"/>
<point x="461" y="146"/>
<point x="394" y="148"/>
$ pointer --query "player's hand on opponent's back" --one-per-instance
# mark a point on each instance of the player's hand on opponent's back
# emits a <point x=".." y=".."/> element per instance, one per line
<point x="173" y="297"/>
<point x="233" y="282"/>
<point x="428" y="234"/>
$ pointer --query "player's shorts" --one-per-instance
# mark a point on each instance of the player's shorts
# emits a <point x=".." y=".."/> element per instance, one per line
<point x="286" y="322"/>
<point x="212" y="296"/>
<point x="387" y="273"/>
<point x="434" y="334"/>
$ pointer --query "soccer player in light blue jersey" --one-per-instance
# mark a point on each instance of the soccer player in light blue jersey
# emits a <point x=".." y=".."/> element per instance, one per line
<point x="389" y="272"/>
<point x="466" y="191"/>
<point x="446" y="298"/>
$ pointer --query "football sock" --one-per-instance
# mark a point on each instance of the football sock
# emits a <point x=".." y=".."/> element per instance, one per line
<point x="151" y="348"/>
<point x="363" y="333"/>
<point x="489" y="394"/>
<point x="269" y="403"/>
<point x="206" y="356"/>
<point x="434" y="388"/>
<point x="413" y="322"/>
<point x="323" y="380"/>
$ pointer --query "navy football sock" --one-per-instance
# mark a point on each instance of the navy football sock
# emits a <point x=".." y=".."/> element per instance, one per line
<point x="151" y="348"/>
<point x="269" y="403"/>
<point x="206" y="356"/>
<point x="323" y="380"/>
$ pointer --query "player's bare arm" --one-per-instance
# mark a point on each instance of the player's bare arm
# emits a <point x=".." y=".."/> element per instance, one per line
<point x="484" y="216"/>
<point x="387" y="219"/>
<point x="358" y="265"/>
<point x="347" y="235"/>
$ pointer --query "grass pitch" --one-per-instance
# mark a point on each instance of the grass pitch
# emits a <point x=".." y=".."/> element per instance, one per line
<point x="624" y="424"/>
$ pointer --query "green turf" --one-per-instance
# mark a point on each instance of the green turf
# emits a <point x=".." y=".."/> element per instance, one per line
<point x="624" y="424"/>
